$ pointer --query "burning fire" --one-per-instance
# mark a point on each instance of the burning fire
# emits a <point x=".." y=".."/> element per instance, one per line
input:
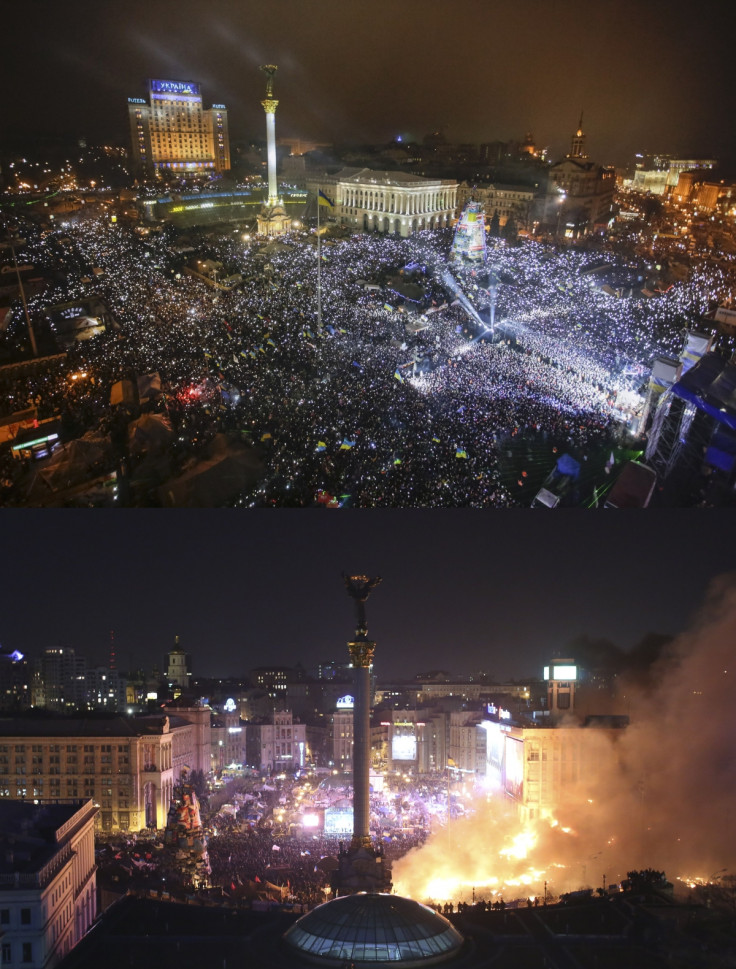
<point x="509" y="861"/>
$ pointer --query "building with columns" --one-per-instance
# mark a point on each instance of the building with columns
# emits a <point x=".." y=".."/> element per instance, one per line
<point x="392" y="203"/>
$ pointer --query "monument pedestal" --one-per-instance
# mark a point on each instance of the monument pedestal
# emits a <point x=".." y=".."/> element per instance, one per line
<point x="363" y="868"/>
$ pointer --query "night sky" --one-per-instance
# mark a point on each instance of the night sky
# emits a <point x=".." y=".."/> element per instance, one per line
<point x="462" y="590"/>
<point x="654" y="75"/>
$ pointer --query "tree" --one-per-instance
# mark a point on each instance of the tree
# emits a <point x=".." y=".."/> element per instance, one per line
<point x="495" y="225"/>
<point x="646" y="880"/>
<point x="200" y="787"/>
<point x="510" y="231"/>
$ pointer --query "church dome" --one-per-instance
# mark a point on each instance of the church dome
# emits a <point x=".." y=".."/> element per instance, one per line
<point x="372" y="930"/>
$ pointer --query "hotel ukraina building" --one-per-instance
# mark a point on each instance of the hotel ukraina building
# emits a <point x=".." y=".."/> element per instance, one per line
<point x="174" y="132"/>
<point x="392" y="203"/>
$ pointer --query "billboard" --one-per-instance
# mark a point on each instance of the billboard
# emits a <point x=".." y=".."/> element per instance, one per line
<point x="339" y="821"/>
<point x="174" y="87"/>
<point x="561" y="673"/>
<point x="514" y="776"/>
<point x="404" y="741"/>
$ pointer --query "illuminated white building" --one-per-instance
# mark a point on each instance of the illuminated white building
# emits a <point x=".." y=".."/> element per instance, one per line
<point x="174" y="133"/>
<point x="48" y="897"/>
<point x="227" y="737"/>
<point x="540" y="767"/>
<point x="392" y="203"/>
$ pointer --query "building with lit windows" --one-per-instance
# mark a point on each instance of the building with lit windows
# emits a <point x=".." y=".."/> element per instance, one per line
<point x="580" y="192"/>
<point x="278" y="743"/>
<point x="48" y="897"/>
<point x="541" y="767"/>
<point x="392" y="203"/>
<point x="174" y="133"/>
<point x="62" y="682"/>
<point x="273" y="680"/>
<point x="507" y="201"/>
<point x="127" y="766"/>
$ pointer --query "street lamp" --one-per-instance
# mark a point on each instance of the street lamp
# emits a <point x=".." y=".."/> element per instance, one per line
<point x="560" y="203"/>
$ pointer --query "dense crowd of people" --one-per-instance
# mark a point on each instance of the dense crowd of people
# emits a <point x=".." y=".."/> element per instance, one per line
<point x="381" y="400"/>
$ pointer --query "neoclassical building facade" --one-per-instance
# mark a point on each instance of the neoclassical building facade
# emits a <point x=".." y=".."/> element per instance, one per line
<point x="393" y="203"/>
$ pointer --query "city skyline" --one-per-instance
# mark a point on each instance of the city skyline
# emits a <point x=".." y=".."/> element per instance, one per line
<point x="647" y="78"/>
<point x="502" y="593"/>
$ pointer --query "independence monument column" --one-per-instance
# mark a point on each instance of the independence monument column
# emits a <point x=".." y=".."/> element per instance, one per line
<point x="272" y="220"/>
<point x="361" y="651"/>
<point x="269" y="106"/>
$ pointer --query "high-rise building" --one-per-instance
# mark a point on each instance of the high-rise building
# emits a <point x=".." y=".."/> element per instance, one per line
<point x="173" y="132"/>
<point x="60" y="680"/>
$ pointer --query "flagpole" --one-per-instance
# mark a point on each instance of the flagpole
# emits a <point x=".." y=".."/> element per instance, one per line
<point x="319" y="270"/>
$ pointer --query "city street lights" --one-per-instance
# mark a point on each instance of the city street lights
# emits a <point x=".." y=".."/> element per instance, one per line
<point x="10" y="243"/>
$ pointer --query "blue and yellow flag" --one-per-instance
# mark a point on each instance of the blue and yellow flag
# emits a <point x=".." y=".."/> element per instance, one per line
<point x="398" y="376"/>
<point x="324" y="201"/>
<point x="321" y="446"/>
<point x="346" y="444"/>
<point x="460" y="453"/>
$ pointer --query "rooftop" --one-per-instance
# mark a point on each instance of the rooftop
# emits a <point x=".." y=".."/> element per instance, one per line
<point x="372" y="930"/>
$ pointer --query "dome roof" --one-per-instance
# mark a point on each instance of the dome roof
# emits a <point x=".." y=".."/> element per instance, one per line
<point x="374" y="930"/>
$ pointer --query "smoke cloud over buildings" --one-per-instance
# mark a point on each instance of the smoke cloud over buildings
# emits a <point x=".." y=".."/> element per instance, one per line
<point x="658" y="794"/>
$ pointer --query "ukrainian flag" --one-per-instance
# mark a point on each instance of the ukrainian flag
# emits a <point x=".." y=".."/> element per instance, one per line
<point x="398" y="376"/>
<point x="346" y="444"/>
<point x="323" y="200"/>
<point x="321" y="446"/>
<point x="460" y="453"/>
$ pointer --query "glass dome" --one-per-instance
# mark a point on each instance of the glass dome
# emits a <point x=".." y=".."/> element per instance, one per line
<point x="374" y="930"/>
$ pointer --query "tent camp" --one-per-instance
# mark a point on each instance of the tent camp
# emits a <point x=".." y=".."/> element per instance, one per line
<point x="149" y="434"/>
<point x="226" y="469"/>
<point x="78" y="461"/>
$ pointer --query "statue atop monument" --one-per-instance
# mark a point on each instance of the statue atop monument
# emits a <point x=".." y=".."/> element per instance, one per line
<point x="269" y="70"/>
<point x="359" y="587"/>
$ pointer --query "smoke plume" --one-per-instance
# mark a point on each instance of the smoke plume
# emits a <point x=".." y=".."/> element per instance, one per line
<point x="660" y="793"/>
